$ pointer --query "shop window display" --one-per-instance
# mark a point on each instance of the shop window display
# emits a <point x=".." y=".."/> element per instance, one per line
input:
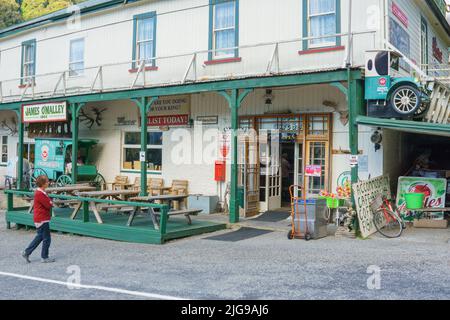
<point x="131" y="147"/>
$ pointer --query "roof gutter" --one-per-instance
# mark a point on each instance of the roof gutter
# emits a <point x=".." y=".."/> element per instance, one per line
<point x="439" y="15"/>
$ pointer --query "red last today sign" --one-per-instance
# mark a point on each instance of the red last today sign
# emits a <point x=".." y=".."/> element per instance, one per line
<point x="169" y="120"/>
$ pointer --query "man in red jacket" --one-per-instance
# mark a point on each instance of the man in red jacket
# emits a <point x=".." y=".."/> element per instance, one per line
<point x="42" y="216"/>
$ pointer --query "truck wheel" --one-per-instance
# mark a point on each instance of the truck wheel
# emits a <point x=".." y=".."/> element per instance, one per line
<point x="406" y="100"/>
<point x="422" y="110"/>
<point x="63" y="180"/>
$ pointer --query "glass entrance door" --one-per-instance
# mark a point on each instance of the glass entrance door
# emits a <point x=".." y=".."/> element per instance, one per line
<point x="248" y="176"/>
<point x="299" y="167"/>
<point x="270" y="171"/>
<point x="317" y="153"/>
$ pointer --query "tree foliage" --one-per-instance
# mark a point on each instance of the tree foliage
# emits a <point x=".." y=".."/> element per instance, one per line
<point x="36" y="8"/>
<point x="9" y="13"/>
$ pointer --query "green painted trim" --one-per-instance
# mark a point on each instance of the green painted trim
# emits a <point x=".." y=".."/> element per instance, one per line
<point x="234" y="99"/>
<point x="31" y="42"/>
<point x="210" y="28"/>
<point x="135" y="21"/>
<point x="263" y="82"/>
<point x="75" y="110"/>
<point x="212" y="3"/>
<point x="305" y="25"/>
<point x="20" y="148"/>
<point x="236" y="29"/>
<point x="406" y="126"/>
<point x="427" y="58"/>
<point x="119" y="232"/>
<point x="338" y="22"/>
<point x="144" y="104"/>
<point x="3" y="165"/>
<point x="355" y="106"/>
<point x="341" y="87"/>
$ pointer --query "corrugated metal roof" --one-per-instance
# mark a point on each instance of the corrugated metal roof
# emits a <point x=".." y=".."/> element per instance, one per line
<point x="434" y="129"/>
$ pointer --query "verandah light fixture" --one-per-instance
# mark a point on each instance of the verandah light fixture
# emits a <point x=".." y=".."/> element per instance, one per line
<point x="268" y="97"/>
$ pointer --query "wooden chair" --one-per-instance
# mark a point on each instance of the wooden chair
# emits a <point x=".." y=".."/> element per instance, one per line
<point x="119" y="183"/>
<point x="154" y="186"/>
<point x="179" y="187"/>
<point x="137" y="184"/>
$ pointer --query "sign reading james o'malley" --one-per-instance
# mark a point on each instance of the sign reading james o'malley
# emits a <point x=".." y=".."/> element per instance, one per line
<point x="170" y="111"/>
<point x="44" y="112"/>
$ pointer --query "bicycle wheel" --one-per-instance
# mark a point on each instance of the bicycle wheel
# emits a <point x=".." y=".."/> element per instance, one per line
<point x="388" y="223"/>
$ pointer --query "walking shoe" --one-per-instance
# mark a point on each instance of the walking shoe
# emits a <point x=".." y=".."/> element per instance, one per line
<point x="48" y="260"/>
<point x="26" y="257"/>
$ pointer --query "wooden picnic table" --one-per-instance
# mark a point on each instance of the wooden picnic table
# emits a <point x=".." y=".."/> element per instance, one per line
<point x="167" y="197"/>
<point x="114" y="194"/>
<point x="70" y="190"/>
<point x="162" y="198"/>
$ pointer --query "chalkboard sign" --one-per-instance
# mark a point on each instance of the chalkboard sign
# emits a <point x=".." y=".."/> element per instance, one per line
<point x="399" y="37"/>
<point x="365" y="193"/>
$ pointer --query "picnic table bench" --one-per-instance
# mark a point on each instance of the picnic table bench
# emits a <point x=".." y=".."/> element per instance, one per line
<point x="69" y="190"/>
<point x="113" y="194"/>
<point x="154" y="214"/>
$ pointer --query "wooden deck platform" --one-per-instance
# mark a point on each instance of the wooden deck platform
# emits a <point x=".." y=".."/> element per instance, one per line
<point x="114" y="226"/>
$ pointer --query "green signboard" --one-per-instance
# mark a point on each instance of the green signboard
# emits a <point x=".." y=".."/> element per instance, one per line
<point x="44" y="112"/>
<point x="434" y="190"/>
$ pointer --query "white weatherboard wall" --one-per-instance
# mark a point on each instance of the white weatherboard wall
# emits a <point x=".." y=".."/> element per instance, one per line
<point x="12" y="140"/>
<point x="308" y="99"/>
<point x="108" y="38"/>
<point x="415" y="10"/>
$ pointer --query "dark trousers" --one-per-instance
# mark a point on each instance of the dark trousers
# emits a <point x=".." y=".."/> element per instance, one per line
<point x="43" y="235"/>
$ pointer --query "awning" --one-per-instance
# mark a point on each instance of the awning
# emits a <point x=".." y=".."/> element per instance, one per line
<point x="406" y="126"/>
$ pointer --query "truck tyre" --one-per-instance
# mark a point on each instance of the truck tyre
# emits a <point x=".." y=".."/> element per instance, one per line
<point x="406" y="100"/>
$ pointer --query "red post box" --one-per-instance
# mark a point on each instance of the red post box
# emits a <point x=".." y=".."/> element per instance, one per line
<point x="220" y="171"/>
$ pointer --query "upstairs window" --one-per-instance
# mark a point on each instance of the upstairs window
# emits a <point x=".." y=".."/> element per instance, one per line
<point x="144" y="43"/>
<point x="76" y="64"/>
<point x="28" y="62"/>
<point x="224" y="29"/>
<point x="321" y="18"/>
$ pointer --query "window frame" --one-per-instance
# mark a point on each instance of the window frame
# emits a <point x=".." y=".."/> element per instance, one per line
<point x="307" y="26"/>
<point x="25" y="45"/>
<point x="136" y="42"/>
<point x="423" y="22"/>
<point x="80" y="72"/>
<point x="4" y="163"/>
<point x="212" y="54"/>
<point x="124" y="146"/>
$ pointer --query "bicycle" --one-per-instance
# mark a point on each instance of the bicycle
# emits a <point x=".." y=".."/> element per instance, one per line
<point x="11" y="182"/>
<point x="387" y="220"/>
